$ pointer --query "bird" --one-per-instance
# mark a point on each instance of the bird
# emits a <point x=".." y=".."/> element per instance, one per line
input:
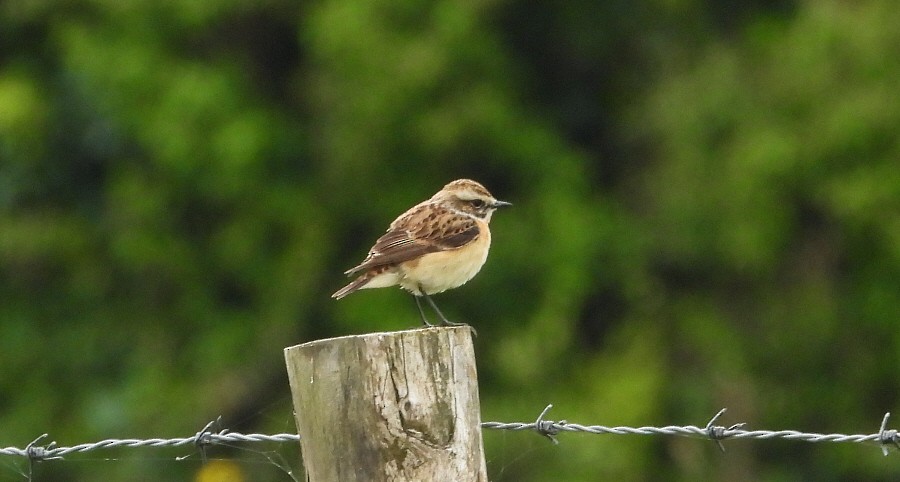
<point x="436" y="245"/>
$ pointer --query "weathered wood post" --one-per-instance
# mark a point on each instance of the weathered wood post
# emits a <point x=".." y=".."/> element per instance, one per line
<point x="399" y="406"/>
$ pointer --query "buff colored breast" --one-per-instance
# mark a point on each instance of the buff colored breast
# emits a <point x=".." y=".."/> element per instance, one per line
<point x="444" y="270"/>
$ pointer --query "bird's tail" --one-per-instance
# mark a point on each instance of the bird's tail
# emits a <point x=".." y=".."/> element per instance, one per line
<point x="353" y="286"/>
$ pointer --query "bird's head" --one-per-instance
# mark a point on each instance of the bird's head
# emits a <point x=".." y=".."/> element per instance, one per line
<point x="468" y="196"/>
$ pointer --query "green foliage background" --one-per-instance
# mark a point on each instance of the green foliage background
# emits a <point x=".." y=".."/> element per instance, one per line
<point x="707" y="215"/>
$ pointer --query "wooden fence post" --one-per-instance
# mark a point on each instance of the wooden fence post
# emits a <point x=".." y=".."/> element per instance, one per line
<point x="399" y="406"/>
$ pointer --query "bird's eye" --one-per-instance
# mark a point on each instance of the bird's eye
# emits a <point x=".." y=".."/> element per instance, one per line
<point x="477" y="203"/>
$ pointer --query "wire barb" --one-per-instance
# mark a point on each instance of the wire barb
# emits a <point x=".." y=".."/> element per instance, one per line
<point x="38" y="453"/>
<point x="203" y="439"/>
<point x="887" y="437"/>
<point x="548" y="428"/>
<point x="718" y="433"/>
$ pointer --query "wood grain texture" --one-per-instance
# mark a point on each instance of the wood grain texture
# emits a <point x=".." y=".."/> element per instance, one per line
<point x="400" y="406"/>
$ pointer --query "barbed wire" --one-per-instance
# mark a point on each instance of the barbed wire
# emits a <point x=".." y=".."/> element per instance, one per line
<point x="885" y="438"/>
<point x="201" y="441"/>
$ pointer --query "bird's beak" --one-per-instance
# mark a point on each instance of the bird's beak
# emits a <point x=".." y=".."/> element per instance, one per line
<point x="500" y="204"/>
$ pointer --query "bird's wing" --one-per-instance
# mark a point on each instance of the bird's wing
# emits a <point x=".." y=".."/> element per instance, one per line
<point x="419" y="231"/>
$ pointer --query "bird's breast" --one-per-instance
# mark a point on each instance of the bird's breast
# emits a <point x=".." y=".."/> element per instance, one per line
<point x="444" y="270"/>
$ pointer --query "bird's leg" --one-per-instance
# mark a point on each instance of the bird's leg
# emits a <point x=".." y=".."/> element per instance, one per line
<point x="444" y="320"/>
<point x="421" y="311"/>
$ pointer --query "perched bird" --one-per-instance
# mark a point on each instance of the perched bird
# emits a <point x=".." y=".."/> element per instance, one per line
<point x="436" y="245"/>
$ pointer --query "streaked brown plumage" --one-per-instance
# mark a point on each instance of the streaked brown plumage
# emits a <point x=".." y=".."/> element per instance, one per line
<point x="436" y="245"/>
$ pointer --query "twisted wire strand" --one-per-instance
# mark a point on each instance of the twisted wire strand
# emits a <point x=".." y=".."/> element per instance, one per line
<point x="51" y="452"/>
<point x="687" y="431"/>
